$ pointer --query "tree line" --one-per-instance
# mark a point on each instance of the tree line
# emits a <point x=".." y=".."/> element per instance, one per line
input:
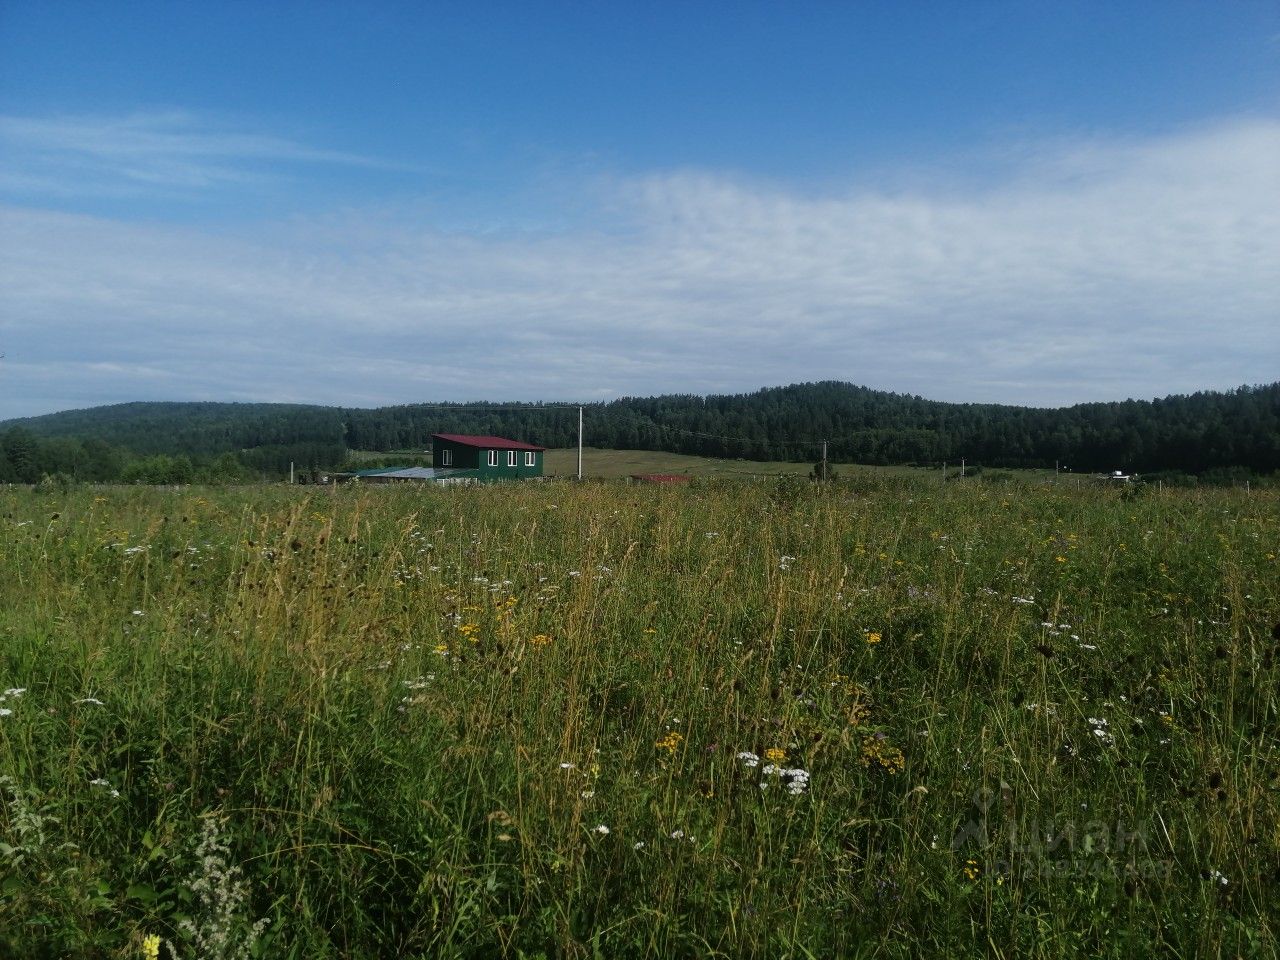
<point x="1236" y="430"/>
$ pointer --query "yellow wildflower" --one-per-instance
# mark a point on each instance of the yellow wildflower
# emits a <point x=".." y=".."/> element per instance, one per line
<point x="775" y="755"/>
<point x="879" y="754"/>
<point x="670" y="743"/>
<point x="151" y="947"/>
<point x="873" y="636"/>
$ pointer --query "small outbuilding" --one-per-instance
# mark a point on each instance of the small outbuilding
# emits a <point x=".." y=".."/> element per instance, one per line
<point x="415" y="475"/>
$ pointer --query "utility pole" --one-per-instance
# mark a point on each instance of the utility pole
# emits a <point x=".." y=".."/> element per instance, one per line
<point x="290" y="473"/>
<point x="579" y="442"/>
<point x="962" y="468"/>
<point x="824" y="462"/>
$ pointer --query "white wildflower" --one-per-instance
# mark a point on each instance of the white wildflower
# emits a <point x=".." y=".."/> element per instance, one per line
<point x="105" y="784"/>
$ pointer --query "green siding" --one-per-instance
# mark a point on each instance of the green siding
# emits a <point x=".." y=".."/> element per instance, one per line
<point x="474" y="458"/>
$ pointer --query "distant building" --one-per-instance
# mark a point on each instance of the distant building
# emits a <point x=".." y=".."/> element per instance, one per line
<point x="413" y="475"/>
<point x="491" y="458"/>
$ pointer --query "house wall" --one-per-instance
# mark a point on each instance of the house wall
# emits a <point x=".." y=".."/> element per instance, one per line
<point x="464" y="458"/>
<point x="473" y="458"/>
<point x="503" y="472"/>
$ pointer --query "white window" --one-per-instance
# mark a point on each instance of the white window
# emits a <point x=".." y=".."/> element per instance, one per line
<point x="446" y="458"/>
<point x="529" y="460"/>
<point x="493" y="458"/>
<point x="511" y="458"/>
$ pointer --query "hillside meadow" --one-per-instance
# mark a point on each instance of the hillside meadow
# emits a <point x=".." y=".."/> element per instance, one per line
<point x="882" y="717"/>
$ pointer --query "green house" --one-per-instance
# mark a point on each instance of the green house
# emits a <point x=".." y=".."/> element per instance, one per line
<point x="493" y="458"/>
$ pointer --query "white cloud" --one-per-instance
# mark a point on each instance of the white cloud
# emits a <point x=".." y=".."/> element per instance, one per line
<point x="1092" y="271"/>
<point x="170" y="152"/>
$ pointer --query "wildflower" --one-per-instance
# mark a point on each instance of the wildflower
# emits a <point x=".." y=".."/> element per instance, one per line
<point x="540" y="640"/>
<point x="216" y="927"/>
<point x="100" y="782"/>
<point x="749" y="758"/>
<point x="670" y="743"/>
<point x="872" y="637"/>
<point x="794" y="779"/>
<point x="602" y="830"/>
<point x="14" y="692"/>
<point x="566" y="765"/>
<point x="5" y="712"/>
<point x="775" y="755"/>
<point x="971" y="869"/>
<point x="878" y="754"/>
<point x="1099" y="729"/>
<point x="151" y="947"/>
<point x="639" y="844"/>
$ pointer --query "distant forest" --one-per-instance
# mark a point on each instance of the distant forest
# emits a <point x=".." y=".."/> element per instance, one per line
<point x="1233" y="433"/>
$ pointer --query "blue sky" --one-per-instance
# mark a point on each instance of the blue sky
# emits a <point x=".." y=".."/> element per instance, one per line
<point x="1033" y="203"/>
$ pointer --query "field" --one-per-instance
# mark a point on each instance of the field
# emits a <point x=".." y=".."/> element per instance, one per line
<point x="599" y="464"/>
<point x="884" y="717"/>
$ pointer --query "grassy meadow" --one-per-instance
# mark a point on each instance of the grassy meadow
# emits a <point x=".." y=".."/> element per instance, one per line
<point x="738" y="719"/>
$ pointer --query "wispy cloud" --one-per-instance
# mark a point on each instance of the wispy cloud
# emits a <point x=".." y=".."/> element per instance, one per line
<point x="169" y="151"/>
<point x="1091" y="271"/>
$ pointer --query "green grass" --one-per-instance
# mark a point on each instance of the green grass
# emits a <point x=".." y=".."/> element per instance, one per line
<point x="613" y="464"/>
<point x="404" y="714"/>
<point x="605" y="464"/>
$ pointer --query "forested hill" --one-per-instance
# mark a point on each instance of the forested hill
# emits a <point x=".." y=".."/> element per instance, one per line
<point x="1193" y="433"/>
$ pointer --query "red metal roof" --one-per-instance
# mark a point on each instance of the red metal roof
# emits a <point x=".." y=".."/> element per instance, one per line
<point x="487" y="443"/>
